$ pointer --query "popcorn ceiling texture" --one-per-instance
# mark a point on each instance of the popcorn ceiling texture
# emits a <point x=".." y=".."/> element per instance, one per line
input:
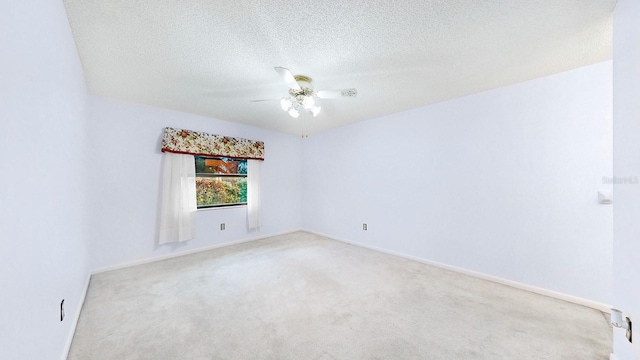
<point x="212" y="57"/>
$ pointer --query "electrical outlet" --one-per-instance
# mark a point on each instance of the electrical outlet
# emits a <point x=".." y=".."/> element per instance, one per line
<point x="222" y="226"/>
<point x="364" y="227"/>
<point x="629" y="330"/>
<point x="62" y="310"/>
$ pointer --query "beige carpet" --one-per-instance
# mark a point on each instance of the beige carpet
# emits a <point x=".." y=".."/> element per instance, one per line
<point x="301" y="296"/>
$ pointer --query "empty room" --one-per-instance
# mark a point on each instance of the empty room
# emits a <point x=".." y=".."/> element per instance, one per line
<point x="319" y="180"/>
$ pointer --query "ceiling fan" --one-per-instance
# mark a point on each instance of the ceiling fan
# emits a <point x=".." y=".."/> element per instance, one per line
<point x="302" y="96"/>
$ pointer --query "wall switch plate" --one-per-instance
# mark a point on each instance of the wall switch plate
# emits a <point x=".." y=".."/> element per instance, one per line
<point x="62" y="310"/>
<point x="364" y="227"/>
<point x="222" y="226"/>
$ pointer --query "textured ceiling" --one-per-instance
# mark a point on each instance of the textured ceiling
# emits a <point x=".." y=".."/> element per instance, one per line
<point x="210" y="57"/>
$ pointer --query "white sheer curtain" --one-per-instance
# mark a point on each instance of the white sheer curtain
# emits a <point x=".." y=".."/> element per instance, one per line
<point x="178" y="204"/>
<point x="254" y="213"/>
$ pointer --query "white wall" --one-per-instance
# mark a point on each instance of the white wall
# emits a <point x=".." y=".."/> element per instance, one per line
<point x="125" y="181"/>
<point x="626" y="160"/>
<point x="503" y="182"/>
<point x="43" y="256"/>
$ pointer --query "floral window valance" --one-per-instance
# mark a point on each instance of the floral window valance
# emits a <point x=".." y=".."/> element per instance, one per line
<point x="198" y="143"/>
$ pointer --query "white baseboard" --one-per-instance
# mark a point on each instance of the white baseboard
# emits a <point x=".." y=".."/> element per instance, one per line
<point x="554" y="294"/>
<point x="76" y="317"/>
<point x="187" y="252"/>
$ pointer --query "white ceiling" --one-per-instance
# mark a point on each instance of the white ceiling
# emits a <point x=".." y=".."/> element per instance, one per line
<point x="210" y="57"/>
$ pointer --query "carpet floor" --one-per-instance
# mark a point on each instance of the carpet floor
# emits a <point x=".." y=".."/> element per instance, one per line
<point x="302" y="296"/>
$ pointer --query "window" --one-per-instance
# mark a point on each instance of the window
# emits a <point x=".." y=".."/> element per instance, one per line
<point x="220" y="182"/>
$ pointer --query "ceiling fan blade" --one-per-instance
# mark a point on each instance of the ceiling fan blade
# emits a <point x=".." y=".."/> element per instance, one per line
<point x="261" y="100"/>
<point x="334" y="94"/>
<point x="288" y="78"/>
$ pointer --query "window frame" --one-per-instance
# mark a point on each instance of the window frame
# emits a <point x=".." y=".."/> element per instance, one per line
<point x="212" y="175"/>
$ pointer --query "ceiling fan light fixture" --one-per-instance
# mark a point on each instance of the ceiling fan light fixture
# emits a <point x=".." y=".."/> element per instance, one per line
<point x="308" y="102"/>
<point x="294" y="113"/>
<point x="285" y="104"/>
<point x="302" y="97"/>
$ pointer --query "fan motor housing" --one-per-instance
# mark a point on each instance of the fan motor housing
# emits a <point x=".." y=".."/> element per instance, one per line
<point x="305" y="86"/>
